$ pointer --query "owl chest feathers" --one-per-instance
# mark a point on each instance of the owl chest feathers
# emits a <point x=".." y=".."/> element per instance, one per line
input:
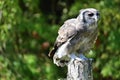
<point x="84" y="39"/>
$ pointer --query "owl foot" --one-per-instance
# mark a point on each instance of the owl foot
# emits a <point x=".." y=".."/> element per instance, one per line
<point x="81" y="57"/>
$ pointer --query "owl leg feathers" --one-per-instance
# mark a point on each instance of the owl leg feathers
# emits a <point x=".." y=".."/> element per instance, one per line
<point x="61" y="56"/>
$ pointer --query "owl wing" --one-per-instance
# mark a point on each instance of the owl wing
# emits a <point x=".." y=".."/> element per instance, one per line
<point x="66" y="32"/>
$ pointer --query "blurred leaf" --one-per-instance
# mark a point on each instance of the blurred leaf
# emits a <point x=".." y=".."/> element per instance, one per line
<point x="28" y="29"/>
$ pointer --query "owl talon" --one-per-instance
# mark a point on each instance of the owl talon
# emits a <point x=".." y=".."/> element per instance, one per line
<point x="81" y="57"/>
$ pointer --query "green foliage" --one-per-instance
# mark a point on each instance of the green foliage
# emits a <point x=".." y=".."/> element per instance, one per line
<point x="28" y="29"/>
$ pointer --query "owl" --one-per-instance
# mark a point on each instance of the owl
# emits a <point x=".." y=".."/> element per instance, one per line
<point x="76" y="36"/>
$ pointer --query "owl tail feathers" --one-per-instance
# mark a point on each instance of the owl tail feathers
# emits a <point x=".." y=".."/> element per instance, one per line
<point x="52" y="52"/>
<point x="61" y="62"/>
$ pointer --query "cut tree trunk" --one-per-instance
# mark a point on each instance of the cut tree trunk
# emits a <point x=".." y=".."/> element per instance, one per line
<point x="80" y="69"/>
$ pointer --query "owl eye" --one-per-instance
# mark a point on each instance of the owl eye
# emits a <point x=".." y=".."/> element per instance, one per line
<point x="90" y="14"/>
<point x="98" y="14"/>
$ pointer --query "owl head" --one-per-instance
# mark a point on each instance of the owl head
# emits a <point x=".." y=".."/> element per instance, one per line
<point x="89" y="15"/>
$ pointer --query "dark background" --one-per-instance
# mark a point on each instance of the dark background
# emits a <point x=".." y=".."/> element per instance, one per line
<point x="28" y="29"/>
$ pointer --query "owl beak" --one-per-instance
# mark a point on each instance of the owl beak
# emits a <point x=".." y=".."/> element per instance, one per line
<point x="97" y="18"/>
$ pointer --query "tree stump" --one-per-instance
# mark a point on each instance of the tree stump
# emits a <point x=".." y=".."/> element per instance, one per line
<point x="80" y="69"/>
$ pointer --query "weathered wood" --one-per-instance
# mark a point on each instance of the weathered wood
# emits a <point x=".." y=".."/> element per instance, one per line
<point x="80" y="69"/>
